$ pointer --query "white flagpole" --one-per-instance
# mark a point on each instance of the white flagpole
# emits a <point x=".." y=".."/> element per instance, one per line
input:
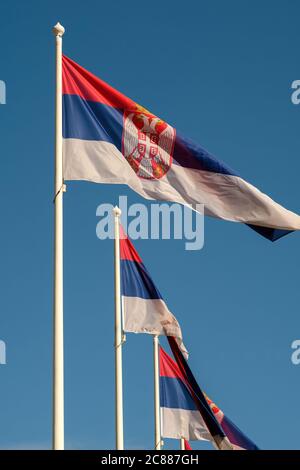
<point x="157" y="433"/>
<point x="182" y="446"/>
<point x="58" y="341"/>
<point x="118" y="337"/>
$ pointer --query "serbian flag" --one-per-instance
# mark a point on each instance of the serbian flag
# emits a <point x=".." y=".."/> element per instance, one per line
<point x="180" y="368"/>
<point x="180" y="415"/>
<point x="144" y="309"/>
<point x="108" y="138"/>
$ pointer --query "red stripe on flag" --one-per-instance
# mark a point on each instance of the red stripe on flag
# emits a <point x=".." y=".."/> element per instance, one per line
<point x="167" y="367"/>
<point x="78" y="81"/>
<point x="127" y="250"/>
<point x="187" y="445"/>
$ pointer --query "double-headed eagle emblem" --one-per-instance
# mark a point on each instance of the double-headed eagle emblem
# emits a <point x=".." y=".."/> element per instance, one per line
<point x="148" y="144"/>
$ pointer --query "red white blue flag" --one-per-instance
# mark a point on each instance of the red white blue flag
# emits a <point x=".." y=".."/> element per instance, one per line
<point x="144" y="309"/>
<point x="177" y="376"/>
<point x="108" y="138"/>
<point x="180" y="417"/>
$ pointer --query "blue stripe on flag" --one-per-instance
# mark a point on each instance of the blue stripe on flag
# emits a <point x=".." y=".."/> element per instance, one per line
<point x="270" y="233"/>
<point x="191" y="155"/>
<point x="174" y="394"/>
<point x="236" y="436"/>
<point x="136" y="281"/>
<point x="88" y="120"/>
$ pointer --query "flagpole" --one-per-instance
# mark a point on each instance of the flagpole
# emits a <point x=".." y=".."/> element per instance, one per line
<point x="182" y="446"/>
<point x="157" y="433"/>
<point x="118" y="337"/>
<point x="58" y="341"/>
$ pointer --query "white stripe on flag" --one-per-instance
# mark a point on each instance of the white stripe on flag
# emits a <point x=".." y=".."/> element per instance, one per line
<point x="177" y="423"/>
<point x="151" y="316"/>
<point x="224" y="196"/>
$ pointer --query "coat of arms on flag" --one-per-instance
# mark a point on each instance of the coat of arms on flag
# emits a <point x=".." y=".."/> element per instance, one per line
<point x="148" y="144"/>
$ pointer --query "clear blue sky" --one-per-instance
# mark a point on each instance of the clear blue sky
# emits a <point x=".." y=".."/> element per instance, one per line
<point x="220" y="72"/>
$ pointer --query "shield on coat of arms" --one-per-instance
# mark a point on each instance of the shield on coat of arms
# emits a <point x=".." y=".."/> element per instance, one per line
<point x="147" y="144"/>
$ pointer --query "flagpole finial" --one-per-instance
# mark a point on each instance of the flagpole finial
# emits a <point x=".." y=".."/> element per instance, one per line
<point x="117" y="211"/>
<point x="58" y="30"/>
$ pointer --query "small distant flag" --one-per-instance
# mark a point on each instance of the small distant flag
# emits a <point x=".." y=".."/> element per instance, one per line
<point x="144" y="309"/>
<point x="187" y="445"/>
<point x="179" y="412"/>
<point x="108" y="138"/>
<point x="237" y="439"/>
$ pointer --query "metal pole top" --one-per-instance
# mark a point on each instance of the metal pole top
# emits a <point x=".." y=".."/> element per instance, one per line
<point x="58" y="30"/>
<point x="117" y="211"/>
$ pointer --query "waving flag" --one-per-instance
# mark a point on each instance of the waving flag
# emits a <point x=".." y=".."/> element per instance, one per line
<point x="179" y="412"/>
<point x="237" y="438"/>
<point x="144" y="308"/>
<point x="108" y="138"/>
